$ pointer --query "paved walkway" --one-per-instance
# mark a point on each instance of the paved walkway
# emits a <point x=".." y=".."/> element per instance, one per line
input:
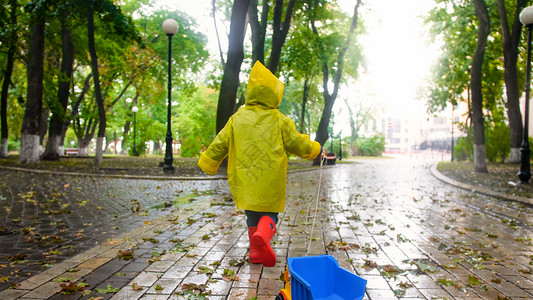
<point x="410" y="235"/>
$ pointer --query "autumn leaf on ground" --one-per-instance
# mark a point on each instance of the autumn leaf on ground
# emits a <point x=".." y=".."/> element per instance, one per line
<point x="370" y="264"/>
<point x="423" y="265"/>
<point x="107" y="290"/>
<point x="71" y="288"/>
<point x="405" y="284"/>
<point x="205" y="270"/>
<point x="229" y="275"/>
<point x="17" y="257"/>
<point x="191" y="289"/>
<point x="391" y="271"/>
<point x="209" y="215"/>
<point x="28" y="230"/>
<point x="125" y="255"/>
<point x="491" y="235"/>
<point x="71" y="270"/>
<point x="237" y="262"/>
<point x="152" y="240"/>
<point x="474" y="280"/>
<point x="136" y="287"/>
<point x="445" y="282"/>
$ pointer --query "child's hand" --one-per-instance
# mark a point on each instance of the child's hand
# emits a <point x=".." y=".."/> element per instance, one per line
<point x="323" y="154"/>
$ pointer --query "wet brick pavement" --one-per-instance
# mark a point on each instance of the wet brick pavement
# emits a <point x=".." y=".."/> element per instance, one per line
<point x="410" y="235"/>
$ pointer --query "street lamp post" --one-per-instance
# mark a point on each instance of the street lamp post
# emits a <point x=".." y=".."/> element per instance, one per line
<point x="526" y="17"/>
<point x="453" y="108"/>
<point x="340" y="146"/>
<point x="170" y="28"/>
<point x="135" y="109"/>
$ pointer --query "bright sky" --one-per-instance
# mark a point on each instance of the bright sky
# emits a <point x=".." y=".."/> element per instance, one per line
<point x="397" y="52"/>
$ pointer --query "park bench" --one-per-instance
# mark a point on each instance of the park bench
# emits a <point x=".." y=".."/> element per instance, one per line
<point x="71" y="151"/>
<point x="330" y="158"/>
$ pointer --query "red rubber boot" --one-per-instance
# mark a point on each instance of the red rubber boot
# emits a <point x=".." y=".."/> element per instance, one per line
<point x="261" y="241"/>
<point x="255" y="256"/>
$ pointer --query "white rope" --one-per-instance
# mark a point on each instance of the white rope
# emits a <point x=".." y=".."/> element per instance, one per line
<point x="316" y="204"/>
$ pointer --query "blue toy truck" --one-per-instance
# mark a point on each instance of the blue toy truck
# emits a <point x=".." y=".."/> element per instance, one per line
<point x="320" y="278"/>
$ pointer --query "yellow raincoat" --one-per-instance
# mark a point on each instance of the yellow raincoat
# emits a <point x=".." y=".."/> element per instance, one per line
<point x="256" y="140"/>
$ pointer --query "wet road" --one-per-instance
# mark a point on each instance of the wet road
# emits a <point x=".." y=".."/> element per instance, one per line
<point x="389" y="220"/>
<point x="470" y="245"/>
<point x="47" y="218"/>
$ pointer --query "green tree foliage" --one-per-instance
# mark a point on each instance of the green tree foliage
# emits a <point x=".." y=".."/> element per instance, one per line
<point x="497" y="138"/>
<point x="456" y="24"/>
<point x="309" y="58"/>
<point x="195" y="122"/>
<point x="372" y="146"/>
<point x="333" y="52"/>
<point x="132" y="63"/>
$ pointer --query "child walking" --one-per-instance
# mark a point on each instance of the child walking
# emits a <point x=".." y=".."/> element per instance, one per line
<point x="256" y="140"/>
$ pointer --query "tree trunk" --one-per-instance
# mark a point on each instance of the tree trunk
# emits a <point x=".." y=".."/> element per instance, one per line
<point x="223" y="62"/>
<point x="230" y="79"/>
<point x="29" y="152"/>
<point x="12" y="42"/>
<point x="82" y="148"/>
<point x="75" y="109"/>
<point x="279" y="32"/>
<point x="305" y="96"/>
<point x="125" y="136"/>
<point x="258" y="28"/>
<point x="43" y="125"/>
<point x="480" y="163"/>
<point x="511" y="40"/>
<point x="157" y="146"/>
<point x="55" y="132"/>
<point x="353" y="130"/>
<point x="329" y="99"/>
<point x="97" y="91"/>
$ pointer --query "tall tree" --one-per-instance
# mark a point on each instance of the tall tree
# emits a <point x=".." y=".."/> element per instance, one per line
<point x="281" y="22"/>
<point x="230" y="79"/>
<point x="280" y="29"/>
<point x="84" y="121"/>
<point x="330" y="97"/>
<point x="29" y="152"/>
<point x="480" y="163"/>
<point x="54" y="144"/>
<point x="97" y="90"/>
<point x="11" y="39"/>
<point x="511" y="39"/>
<point x="258" y="27"/>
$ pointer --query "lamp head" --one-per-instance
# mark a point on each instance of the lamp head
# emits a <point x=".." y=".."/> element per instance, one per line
<point x="170" y="27"/>
<point x="135" y="109"/>
<point x="526" y="16"/>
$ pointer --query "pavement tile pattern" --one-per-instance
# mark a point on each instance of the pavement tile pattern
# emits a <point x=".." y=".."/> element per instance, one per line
<point x="410" y="235"/>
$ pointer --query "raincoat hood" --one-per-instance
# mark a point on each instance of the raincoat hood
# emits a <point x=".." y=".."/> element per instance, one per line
<point x="264" y="88"/>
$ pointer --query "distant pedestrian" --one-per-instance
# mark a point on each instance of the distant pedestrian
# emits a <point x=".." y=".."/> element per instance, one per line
<point x="256" y="140"/>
